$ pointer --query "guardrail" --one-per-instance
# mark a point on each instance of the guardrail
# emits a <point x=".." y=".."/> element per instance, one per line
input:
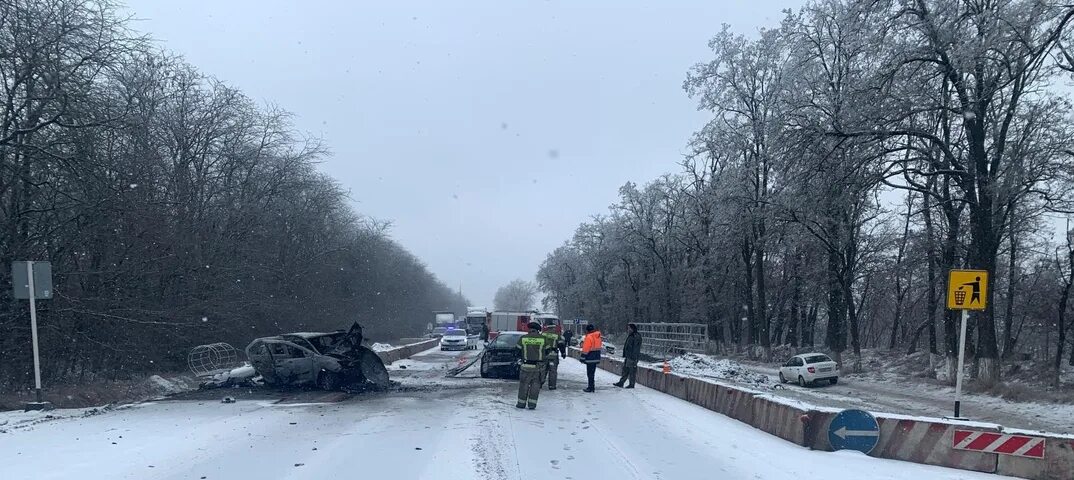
<point x="659" y="339"/>
<point x="913" y="439"/>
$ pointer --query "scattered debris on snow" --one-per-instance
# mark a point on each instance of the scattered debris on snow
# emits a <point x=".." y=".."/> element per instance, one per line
<point x="243" y="375"/>
<point x="170" y="386"/>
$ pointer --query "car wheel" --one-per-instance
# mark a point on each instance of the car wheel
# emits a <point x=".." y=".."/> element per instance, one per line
<point x="835" y="380"/>
<point x="802" y="382"/>
<point x="485" y="373"/>
<point x="328" y="381"/>
<point x="782" y="379"/>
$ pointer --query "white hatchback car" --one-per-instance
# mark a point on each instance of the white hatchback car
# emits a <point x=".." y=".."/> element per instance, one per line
<point x="456" y="340"/>
<point x="808" y="368"/>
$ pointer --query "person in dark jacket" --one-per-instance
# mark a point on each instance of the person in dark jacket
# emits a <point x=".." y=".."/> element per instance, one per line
<point x="631" y="354"/>
<point x="591" y="347"/>
<point x="567" y="336"/>
<point x="485" y="333"/>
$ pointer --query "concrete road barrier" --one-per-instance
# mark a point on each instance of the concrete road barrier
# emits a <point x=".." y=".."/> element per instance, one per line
<point x="911" y="439"/>
<point x="781" y="420"/>
<point x="929" y="442"/>
<point x="1057" y="464"/>
<point x="736" y="403"/>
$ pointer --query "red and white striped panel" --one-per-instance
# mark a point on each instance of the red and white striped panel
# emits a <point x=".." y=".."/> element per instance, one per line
<point x="928" y="443"/>
<point x="992" y="442"/>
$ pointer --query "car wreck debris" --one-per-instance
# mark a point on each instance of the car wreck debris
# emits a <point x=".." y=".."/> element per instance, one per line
<point x="332" y="361"/>
<point x="211" y="359"/>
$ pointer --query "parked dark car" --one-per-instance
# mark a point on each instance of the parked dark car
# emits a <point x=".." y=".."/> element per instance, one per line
<point x="330" y="360"/>
<point x="502" y="357"/>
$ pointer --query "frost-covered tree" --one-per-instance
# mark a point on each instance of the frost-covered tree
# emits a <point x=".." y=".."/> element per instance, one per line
<point x="517" y="296"/>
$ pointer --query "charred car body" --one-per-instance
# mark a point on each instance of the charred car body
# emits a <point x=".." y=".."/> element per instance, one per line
<point x="331" y="360"/>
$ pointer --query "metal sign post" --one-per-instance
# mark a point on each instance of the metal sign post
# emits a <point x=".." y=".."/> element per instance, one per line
<point x="31" y="281"/>
<point x="960" y="285"/>
<point x="961" y="363"/>
<point x="33" y="330"/>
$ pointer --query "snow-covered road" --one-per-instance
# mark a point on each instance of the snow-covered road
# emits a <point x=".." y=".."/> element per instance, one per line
<point x="432" y="427"/>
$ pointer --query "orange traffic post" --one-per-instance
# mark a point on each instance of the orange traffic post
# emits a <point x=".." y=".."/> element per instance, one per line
<point x="667" y="367"/>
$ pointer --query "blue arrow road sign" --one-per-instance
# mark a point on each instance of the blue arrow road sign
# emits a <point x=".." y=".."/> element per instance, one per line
<point x="853" y="430"/>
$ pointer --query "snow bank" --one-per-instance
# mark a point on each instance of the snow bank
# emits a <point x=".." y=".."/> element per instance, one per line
<point x="696" y="365"/>
<point x="381" y="347"/>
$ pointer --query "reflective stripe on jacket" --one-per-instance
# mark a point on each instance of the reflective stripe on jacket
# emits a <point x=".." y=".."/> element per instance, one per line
<point x="553" y="339"/>
<point x="533" y="347"/>
<point x="591" y="347"/>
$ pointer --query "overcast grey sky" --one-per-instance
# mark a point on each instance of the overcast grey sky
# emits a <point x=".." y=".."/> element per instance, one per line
<point x="486" y="131"/>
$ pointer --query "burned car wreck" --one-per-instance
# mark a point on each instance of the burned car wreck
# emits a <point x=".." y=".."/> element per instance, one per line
<point x="332" y="360"/>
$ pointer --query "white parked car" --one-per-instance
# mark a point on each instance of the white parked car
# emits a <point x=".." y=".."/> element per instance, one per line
<point x="808" y="368"/>
<point x="456" y="340"/>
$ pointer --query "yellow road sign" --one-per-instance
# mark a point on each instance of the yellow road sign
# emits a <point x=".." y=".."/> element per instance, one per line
<point x="967" y="290"/>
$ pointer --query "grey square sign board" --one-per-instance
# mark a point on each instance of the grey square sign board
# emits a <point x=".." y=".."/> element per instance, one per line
<point x="42" y="280"/>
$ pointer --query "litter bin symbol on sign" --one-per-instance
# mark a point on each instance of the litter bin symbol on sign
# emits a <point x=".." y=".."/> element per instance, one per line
<point x="960" y="296"/>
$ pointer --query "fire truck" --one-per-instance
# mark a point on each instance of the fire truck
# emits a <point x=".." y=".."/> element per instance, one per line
<point x="519" y="322"/>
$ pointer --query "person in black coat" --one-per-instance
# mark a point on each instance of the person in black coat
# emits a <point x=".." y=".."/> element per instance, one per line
<point x="631" y="354"/>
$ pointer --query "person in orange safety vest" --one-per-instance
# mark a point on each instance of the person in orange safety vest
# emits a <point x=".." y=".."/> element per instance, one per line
<point x="591" y="347"/>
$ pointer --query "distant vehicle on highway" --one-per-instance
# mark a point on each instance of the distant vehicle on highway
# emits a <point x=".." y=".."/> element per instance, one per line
<point x="549" y="323"/>
<point x="436" y="333"/>
<point x="502" y="356"/>
<point x="476" y="319"/>
<point x="808" y="368"/>
<point x="500" y="322"/>
<point x="444" y="319"/>
<point x="455" y="339"/>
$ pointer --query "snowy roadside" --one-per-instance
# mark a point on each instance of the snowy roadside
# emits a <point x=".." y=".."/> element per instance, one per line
<point x="887" y="394"/>
<point x="184" y="387"/>
<point x="102" y="393"/>
<point x="18" y="420"/>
